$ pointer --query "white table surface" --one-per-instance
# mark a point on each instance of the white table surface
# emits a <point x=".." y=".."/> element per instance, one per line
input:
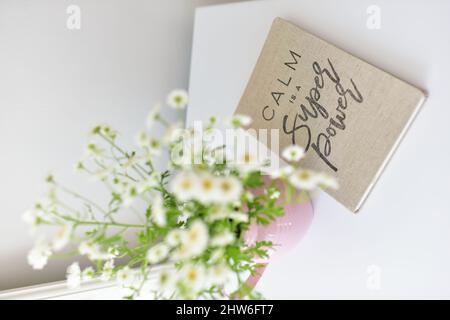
<point x="402" y="234"/>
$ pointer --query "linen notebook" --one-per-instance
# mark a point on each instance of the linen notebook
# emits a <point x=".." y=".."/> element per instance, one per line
<point x="347" y="114"/>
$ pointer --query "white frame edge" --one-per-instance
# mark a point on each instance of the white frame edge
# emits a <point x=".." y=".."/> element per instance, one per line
<point x="59" y="289"/>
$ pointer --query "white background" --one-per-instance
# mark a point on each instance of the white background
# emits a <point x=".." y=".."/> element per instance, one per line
<point x="55" y="84"/>
<point x="403" y="230"/>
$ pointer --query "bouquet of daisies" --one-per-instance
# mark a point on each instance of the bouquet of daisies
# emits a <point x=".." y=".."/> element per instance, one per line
<point x="183" y="225"/>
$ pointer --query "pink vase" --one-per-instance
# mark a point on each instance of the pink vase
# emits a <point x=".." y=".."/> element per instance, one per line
<point x="285" y="232"/>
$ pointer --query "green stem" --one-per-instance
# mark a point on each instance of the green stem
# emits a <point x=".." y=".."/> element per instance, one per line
<point x="137" y="168"/>
<point x="58" y="256"/>
<point x="81" y="197"/>
<point x="163" y="121"/>
<point x="102" y="223"/>
<point x="118" y="173"/>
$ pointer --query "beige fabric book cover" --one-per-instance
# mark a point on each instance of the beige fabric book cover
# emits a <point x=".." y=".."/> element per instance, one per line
<point x="347" y="114"/>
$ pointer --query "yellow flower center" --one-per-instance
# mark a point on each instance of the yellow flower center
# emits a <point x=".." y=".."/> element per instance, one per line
<point x="193" y="235"/>
<point x="154" y="143"/>
<point x="247" y="158"/>
<point x="186" y="184"/>
<point x="304" y="175"/>
<point x="207" y="184"/>
<point x="192" y="275"/>
<point x="178" y="99"/>
<point x="225" y="186"/>
<point x="164" y="278"/>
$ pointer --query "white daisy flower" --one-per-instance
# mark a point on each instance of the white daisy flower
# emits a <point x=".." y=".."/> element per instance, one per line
<point x="158" y="215"/>
<point x="88" y="273"/>
<point x="142" y="139"/>
<point x="223" y="239"/>
<point x="86" y="247"/>
<point x="196" y="237"/>
<point x="207" y="190"/>
<point x="94" y="151"/>
<point x="181" y="253"/>
<point x="38" y="256"/>
<point x="193" y="276"/>
<point x="184" y="185"/>
<point x="238" y="121"/>
<point x="293" y="153"/>
<point x="29" y="217"/>
<point x="154" y="147"/>
<point x="153" y="115"/>
<point x="157" y="253"/>
<point x="178" y="99"/>
<point x="229" y="189"/>
<point x="150" y="144"/>
<point x="107" y="271"/>
<point x="130" y="194"/>
<point x="79" y="166"/>
<point x="127" y="277"/>
<point x="44" y="204"/>
<point x="219" y="274"/>
<point x="62" y="237"/>
<point x="121" y="184"/>
<point x="39" y="211"/>
<point x="93" y="251"/>
<point x="194" y="242"/>
<point x="217" y="213"/>
<point x="32" y="217"/>
<point x="327" y="181"/>
<point x="173" y="133"/>
<point x="283" y="172"/>
<point x="107" y="131"/>
<point x="248" y="161"/>
<point x="174" y="237"/>
<point x="165" y="282"/>
<point x="110" y="132"/>
<point x="304" y="179"/>
<point x="73" y="276"/>
<point x="238" y="216"/>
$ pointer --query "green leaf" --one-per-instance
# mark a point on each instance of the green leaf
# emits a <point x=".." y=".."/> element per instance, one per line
<point x="253" y="180"/>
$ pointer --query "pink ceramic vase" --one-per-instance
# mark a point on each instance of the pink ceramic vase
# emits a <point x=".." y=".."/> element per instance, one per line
<point x="285" y="232"/>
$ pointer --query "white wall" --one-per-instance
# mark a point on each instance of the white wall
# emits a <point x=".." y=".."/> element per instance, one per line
<point x="55" y="84"/>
